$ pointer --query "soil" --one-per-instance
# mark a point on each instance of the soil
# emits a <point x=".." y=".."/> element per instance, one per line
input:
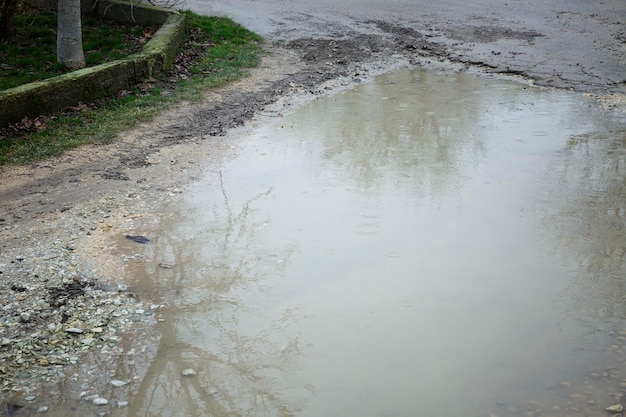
<point x="60" y="209"/>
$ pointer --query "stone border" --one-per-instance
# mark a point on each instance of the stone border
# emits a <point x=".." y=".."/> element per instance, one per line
<point x="87" y="84"/>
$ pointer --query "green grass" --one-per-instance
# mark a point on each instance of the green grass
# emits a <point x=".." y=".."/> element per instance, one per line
<point x="224" y="52"/>
<point x="30" y="54"/>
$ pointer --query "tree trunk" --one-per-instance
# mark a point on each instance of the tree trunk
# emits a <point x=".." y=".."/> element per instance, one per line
<point x="69" y="35"/>
<point x="7" y="11"/>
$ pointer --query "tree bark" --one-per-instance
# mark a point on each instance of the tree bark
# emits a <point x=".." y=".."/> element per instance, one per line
<point x="70" y="35"/>
<point x="7" y="11"/>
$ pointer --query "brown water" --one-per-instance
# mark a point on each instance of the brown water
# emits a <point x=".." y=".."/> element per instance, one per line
<point x="426" y="244"/>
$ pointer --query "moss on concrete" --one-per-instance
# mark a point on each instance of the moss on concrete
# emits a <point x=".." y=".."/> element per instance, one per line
<point x="55" y="94"/>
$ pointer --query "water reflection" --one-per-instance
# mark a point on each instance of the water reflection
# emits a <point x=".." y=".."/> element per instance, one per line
<point x="423" y="238"/>
<point x="405" y="129"/>
<point x="207" y="277"/>
<point x="589" y="226"/>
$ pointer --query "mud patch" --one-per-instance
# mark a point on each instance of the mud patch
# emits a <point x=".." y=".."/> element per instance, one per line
<point x="410" y="39"/>
<point x="493" y="34"/>
<point x="58" y="296"/>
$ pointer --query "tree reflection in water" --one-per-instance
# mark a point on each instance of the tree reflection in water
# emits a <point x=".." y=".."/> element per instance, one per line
<point x="217" y="274"/>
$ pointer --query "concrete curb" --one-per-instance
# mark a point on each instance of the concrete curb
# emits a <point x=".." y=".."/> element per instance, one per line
<point x="55" y="94"/>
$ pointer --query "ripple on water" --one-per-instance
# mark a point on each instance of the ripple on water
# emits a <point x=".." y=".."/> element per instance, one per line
<point x="370" y="226"/>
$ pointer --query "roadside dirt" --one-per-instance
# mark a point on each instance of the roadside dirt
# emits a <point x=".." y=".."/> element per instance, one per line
<point x="55" y="212"/>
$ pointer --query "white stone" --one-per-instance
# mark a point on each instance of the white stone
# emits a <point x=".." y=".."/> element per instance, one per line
<point x="100" y="401"/>
<point x="75" y="330"/>
<point x="189" y="372"/>
<point x="118" y="383"/>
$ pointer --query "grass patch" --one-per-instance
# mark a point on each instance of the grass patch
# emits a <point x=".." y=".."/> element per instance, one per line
<point x="30" y="54"/>
<point x="217" y="52"/>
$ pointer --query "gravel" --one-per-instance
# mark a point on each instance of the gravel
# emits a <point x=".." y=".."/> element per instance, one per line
<point x="54" y="309"/>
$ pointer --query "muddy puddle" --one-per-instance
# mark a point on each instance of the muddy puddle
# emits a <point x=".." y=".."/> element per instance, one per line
<point x="426" y="244"/>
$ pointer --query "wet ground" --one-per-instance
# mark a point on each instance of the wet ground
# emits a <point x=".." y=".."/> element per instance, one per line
<point x="379" y="253"/>
<point x="577" y="44"/>
<point x="432" y="242"/>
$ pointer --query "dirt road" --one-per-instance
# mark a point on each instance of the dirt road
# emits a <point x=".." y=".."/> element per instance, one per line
<point x="574" y="44"/>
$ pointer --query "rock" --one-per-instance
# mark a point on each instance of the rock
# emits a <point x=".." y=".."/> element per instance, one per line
<point x="138" y="239"/>
<point x="100" y="401"/>
<point x="121" y="404"/>
<point x="617" y="408"/>
<point x="73" y="330"/>
<point x="87" y="341"/>
<point x="189" y="372"/>
<point x="91" y="397"/>
<point x="42" y="409"/>
<point x="118" y="383"/>
<point x="30" y="398"/>
<point x="24" y="317"/>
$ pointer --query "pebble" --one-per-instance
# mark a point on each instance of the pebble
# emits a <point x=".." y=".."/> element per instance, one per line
<point x="617" y="408"/>
<point x="30" y="398"/>
<point x="121" y="404"/>
<point x="189" y="372"/>
<point x="100" y="401"/>
<point x="118" y="383"/>
<point x="74" y="330"/>
<point x="91" y="397"/>
<point x="24" y="317"/>
<point x="42" y="409"/>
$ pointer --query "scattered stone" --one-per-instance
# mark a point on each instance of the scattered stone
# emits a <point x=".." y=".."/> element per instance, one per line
<point x="121" y="404"/>
<point x="100" y="401"/>
<point x="117" y="383"/>
<point x="91" y="397"/>
<point x="74" y="330"/>
<point x="138" y="239"/>
<point x="42" y="409"/>
<point x="189" y="372"/>
<point x="617" y="408"/>
<point x="30" y="398"/>
<point x="24" y="317"/>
